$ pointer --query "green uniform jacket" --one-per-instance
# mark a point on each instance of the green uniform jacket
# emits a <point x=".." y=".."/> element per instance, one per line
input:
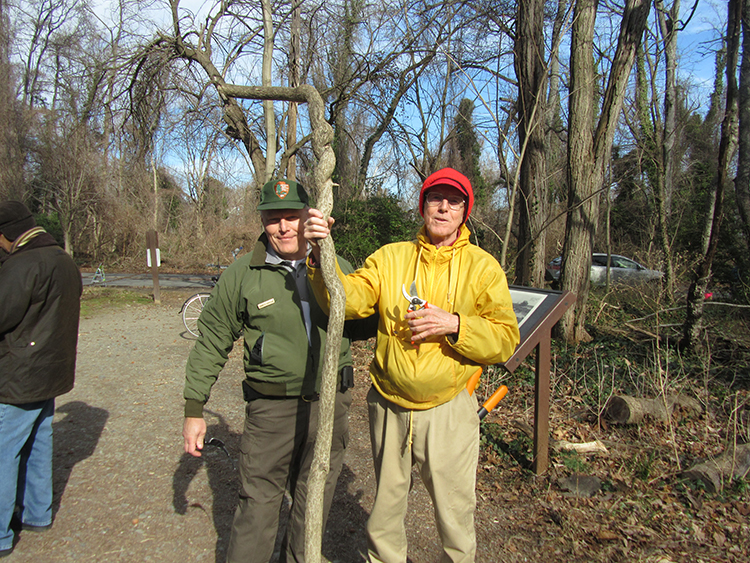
<point x="260" y="302"/>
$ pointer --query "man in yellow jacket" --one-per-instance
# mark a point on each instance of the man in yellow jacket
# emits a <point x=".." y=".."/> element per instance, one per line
<point x="420" y="410"/>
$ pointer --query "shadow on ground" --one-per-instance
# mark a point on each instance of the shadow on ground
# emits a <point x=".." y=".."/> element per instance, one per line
<point x="75" y="437"/>
<point x="344" y="539"/>
<point x="222" y="479"/>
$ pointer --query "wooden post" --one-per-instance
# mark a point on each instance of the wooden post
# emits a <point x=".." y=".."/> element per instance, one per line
<point x="536" y="334"/>
<point x="541" y="403"/>
<point x="152" y="242"/>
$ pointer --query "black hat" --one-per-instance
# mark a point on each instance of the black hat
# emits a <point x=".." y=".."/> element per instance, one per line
<point x="282" y="194"/>
<point x="15" y="219"/>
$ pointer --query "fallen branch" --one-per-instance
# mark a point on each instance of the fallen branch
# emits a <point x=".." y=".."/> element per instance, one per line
<point x="716" y="473"/>
<point x="671" y="309"/>
<point x="582" y="448"/>
<point x="623" y="409"/>
<point x="563" y="445"/>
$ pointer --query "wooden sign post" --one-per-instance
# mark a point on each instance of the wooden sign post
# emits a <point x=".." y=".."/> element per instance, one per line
<point x="152" y="243"/>
<point x="537" y="311"/>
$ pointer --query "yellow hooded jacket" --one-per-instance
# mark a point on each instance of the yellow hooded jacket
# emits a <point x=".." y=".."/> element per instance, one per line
<point x="460" y="278"/>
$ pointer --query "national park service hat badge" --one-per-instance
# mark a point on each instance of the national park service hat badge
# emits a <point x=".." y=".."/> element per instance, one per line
<point x="283" y="194"/>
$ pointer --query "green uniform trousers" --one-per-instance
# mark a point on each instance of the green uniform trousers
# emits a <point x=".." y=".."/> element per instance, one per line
<point x="276" y="452"/>
<point x="443" y="442"/>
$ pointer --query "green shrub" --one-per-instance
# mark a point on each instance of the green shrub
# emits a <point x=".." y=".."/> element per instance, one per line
<point x="51" y="224"/>
<point x="363" y="226"/>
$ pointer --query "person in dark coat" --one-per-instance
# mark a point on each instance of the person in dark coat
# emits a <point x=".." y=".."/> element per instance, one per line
<point x="40" y="299"/>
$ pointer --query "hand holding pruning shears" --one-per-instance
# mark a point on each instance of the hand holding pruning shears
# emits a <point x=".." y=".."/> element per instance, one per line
<point x="427" y="320"/>
<point x="415" y="302"/>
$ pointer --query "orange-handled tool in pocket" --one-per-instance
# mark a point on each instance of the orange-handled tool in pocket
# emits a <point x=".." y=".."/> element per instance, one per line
<point x="473" y="381"/>
<point x="490" y="403"/>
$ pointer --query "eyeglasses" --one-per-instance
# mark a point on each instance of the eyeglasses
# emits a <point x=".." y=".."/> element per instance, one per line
<point x="455" y="202"/>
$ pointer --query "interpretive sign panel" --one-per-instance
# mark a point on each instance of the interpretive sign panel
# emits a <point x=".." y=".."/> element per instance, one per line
<point x="537" y="311"/>
<point x="531" y="306"/>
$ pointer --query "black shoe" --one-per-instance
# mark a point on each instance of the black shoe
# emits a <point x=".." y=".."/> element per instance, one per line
<point x="33" y="528"/>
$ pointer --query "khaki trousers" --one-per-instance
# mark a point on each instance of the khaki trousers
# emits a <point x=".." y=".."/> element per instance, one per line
<point x="276" y="452"/>
<point x="443" y="442"/>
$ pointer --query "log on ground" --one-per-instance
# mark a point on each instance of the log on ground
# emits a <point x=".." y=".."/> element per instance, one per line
<point x="623" y="409"/>
<point x="717" y="473"/>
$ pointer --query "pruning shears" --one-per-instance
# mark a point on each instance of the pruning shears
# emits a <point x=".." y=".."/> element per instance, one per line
<point x="216" y="443"/>
<point x="415" y="301"/>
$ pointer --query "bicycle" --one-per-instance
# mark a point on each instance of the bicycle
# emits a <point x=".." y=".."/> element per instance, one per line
<point x="99" y="276"/>
<point x="193" y="305"/>
<point x="191" y="310"/>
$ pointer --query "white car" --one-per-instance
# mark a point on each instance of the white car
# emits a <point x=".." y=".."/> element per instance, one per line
<point x="622" y="270"/>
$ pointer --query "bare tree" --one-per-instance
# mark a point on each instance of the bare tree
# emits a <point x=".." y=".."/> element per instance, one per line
<point x="669" y="25"/>
<point x="268" y="113"/>
<point x="691" y="337"/>
<point x="201" y="147"/>
<point x="11" y="134"/>
<point x="41" y="23"/>
<point x="294" y="59"/>
<point x="742" y="181"/>
<point x="657" y="130"/>
<point x="589" y="145"/>
<point x="532" y="85"/>
<point x="70" y="167"/>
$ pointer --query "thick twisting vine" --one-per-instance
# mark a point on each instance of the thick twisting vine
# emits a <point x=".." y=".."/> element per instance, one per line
<point x="322" y="137"/>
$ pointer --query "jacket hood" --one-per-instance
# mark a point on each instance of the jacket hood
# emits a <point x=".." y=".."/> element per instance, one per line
<point x="430" y="254"/>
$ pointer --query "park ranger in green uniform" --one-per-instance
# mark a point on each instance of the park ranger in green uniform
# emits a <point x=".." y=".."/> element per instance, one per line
<point x="264" y="297"/>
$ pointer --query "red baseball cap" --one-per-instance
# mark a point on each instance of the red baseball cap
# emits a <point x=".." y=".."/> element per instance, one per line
<point x="453" y="179"/>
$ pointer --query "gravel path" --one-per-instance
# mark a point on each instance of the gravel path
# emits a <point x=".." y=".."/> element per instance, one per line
<point x="125" y="491"/>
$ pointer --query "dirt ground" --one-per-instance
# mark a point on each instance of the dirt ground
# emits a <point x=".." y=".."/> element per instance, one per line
<point x="125" y="491"/>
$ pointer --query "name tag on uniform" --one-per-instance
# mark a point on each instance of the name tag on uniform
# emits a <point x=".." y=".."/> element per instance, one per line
<point x="266" y="303"/>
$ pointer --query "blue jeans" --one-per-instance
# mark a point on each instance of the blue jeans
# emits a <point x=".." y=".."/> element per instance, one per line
<point x="25" y="465"/>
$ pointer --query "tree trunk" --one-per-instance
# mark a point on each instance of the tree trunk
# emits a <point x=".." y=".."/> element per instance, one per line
<point x="554" y="144"/>
<point x="742" y="181"/>
<point x="268" y="113"/>
<point x="532" y="84"/>
<point x="67" y="239"/>
<point x="11" y="146"/>
<point x="294" y="53"/>
<point x="582" y="206"/>
<point x="691" y="335"/>
<point x="234" y="116"/>
<point x="668" y="22"/>
<point x="589" y="154"/>
<point x="553" y="100"/>
<point x="623" y="409"/>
